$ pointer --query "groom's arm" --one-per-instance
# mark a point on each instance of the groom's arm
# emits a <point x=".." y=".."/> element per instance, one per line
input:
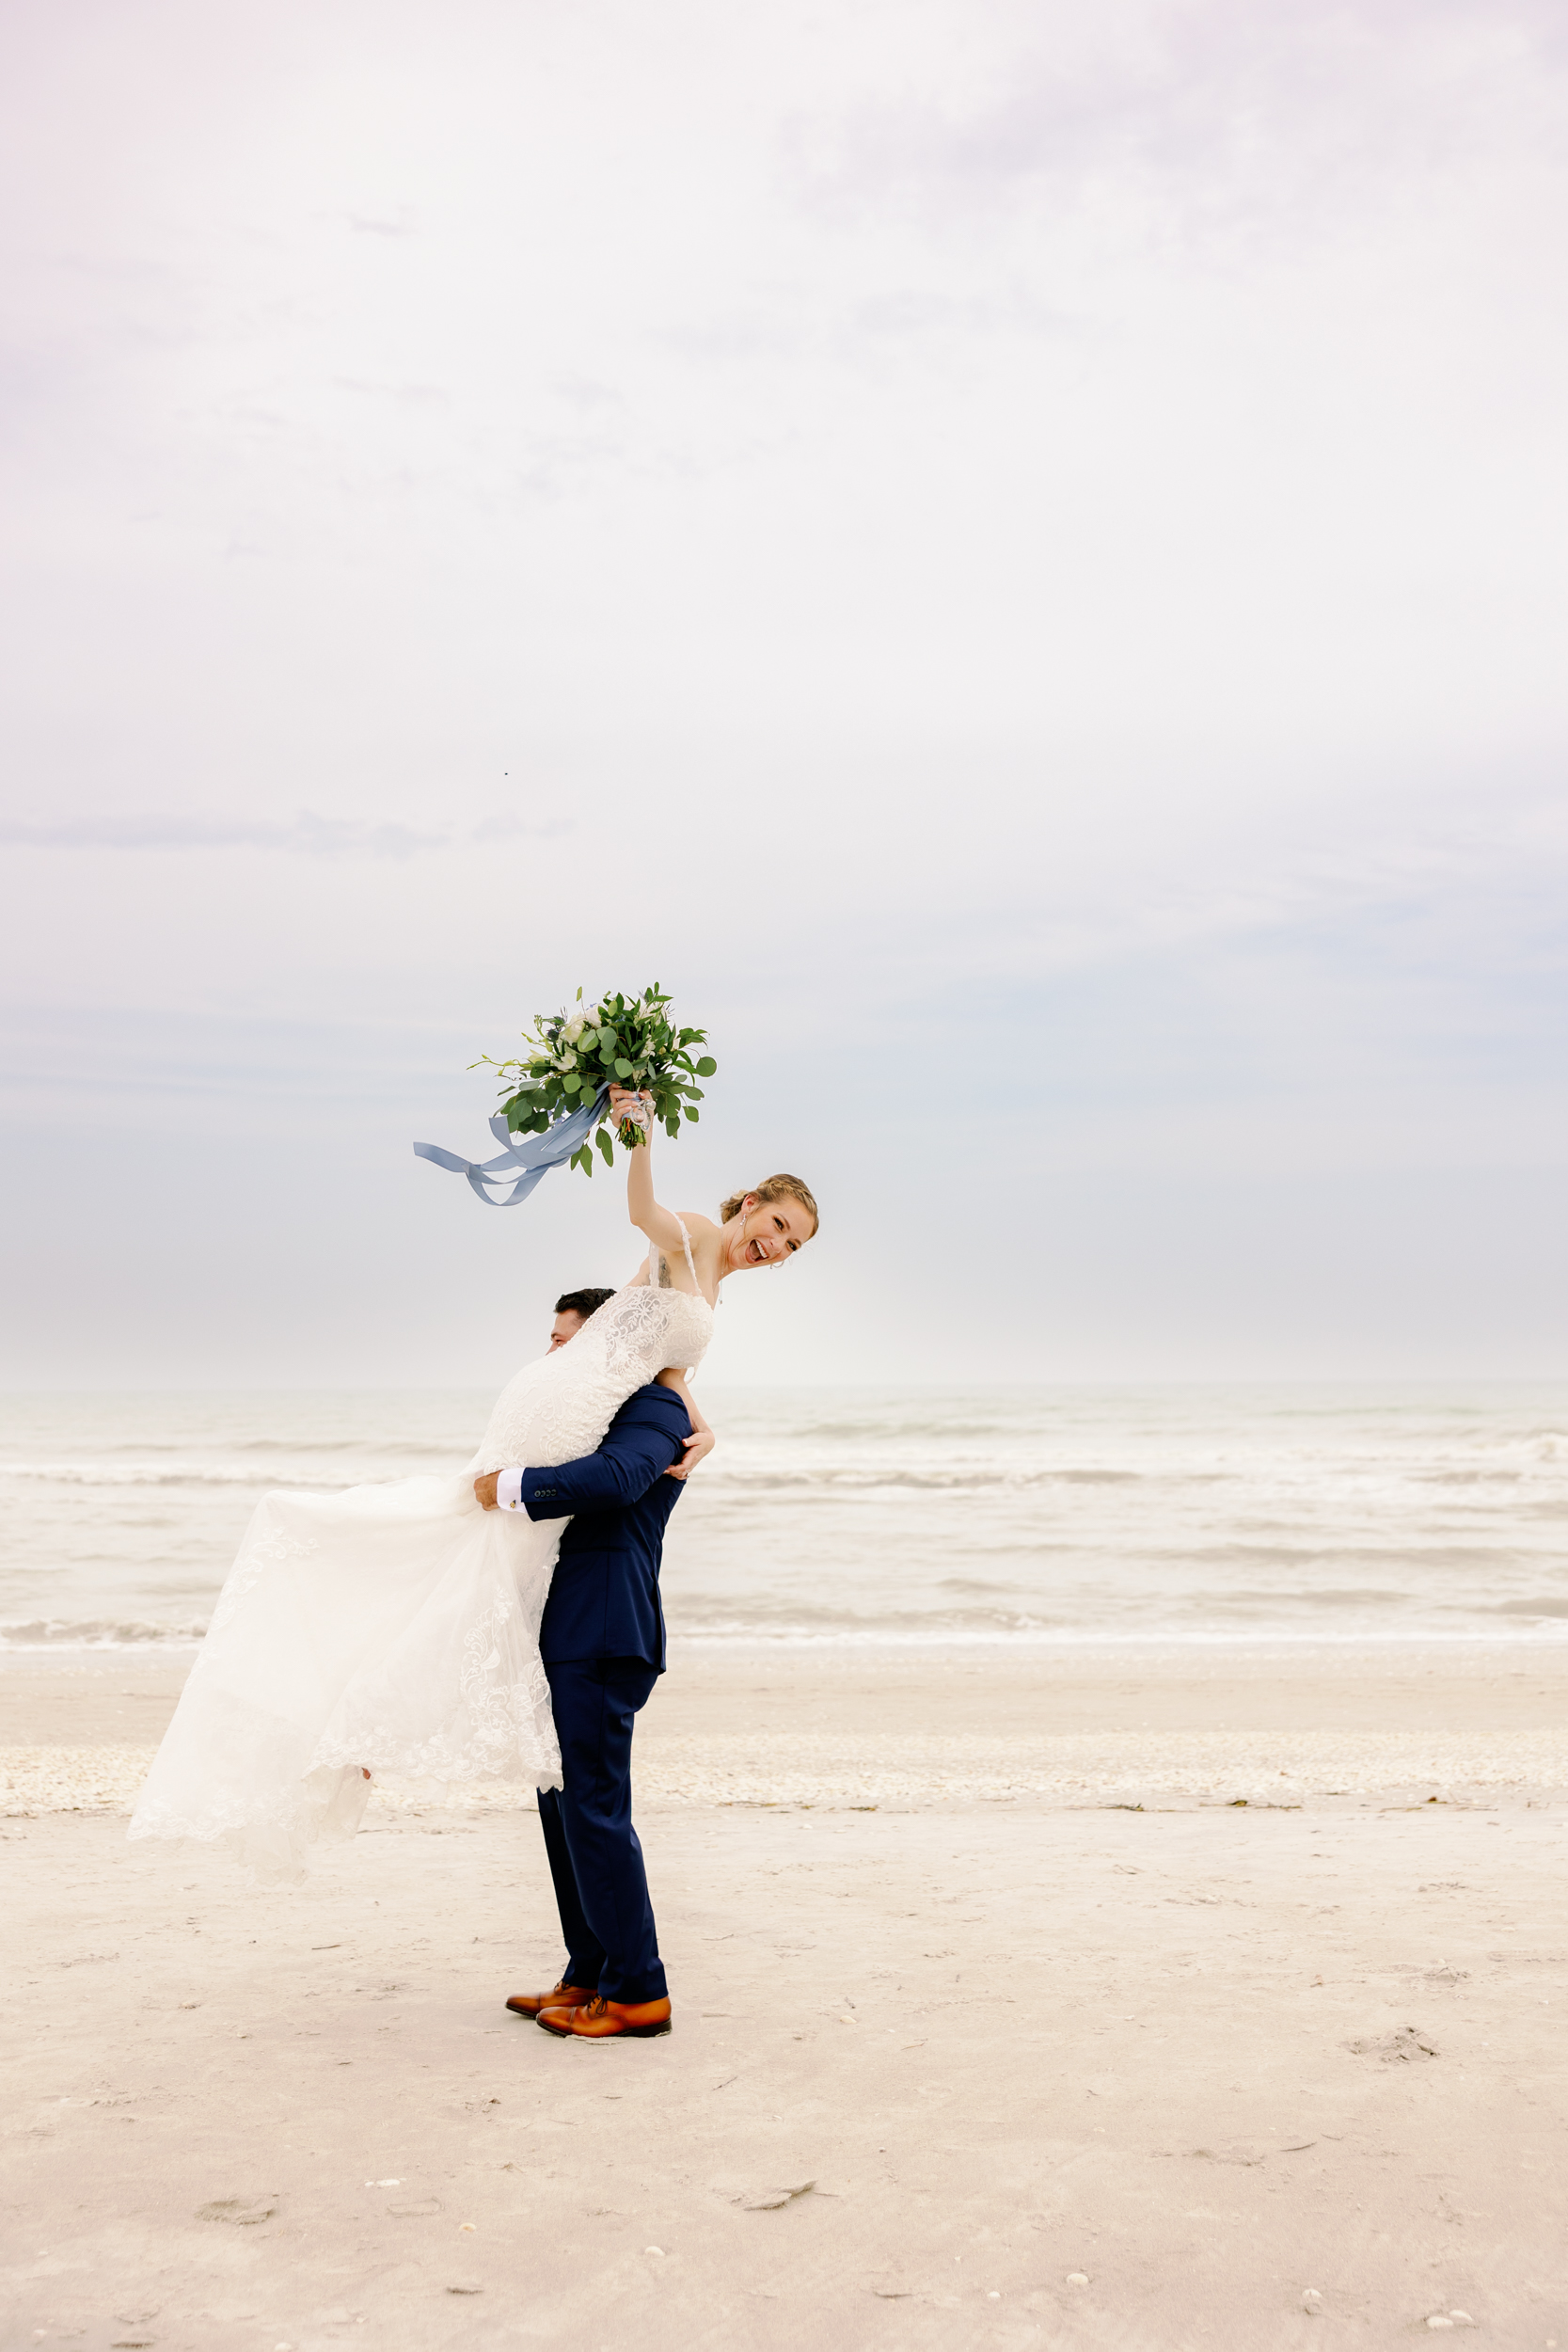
<point x="634" y="1456"/>
<point x="621" y="1473"/>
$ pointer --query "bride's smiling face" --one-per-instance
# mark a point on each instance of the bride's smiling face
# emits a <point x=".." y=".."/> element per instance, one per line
<point x="766" y="1232"/>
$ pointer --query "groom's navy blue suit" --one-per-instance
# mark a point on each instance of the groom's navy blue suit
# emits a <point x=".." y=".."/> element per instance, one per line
<point x="602" y="1642"/>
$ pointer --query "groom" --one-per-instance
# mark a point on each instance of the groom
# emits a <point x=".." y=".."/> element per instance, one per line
<point x="602" y="1643"/>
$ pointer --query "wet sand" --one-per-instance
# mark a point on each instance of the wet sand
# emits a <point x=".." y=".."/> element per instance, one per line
<point x="1002" y="2062"/>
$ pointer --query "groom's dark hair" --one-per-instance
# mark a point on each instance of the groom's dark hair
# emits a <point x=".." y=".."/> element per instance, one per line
<point x="583" y="1303"/>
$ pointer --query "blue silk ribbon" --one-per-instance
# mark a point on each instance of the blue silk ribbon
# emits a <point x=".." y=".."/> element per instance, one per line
<point x="535" y="1155"/>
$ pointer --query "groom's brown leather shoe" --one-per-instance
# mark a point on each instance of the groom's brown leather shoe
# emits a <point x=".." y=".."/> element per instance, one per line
<point x="601" y="2019"/>
<point x="563" y="1995"/>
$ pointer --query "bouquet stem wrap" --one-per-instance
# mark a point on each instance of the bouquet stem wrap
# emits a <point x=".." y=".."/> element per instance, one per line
<point x="527" y="1158"/>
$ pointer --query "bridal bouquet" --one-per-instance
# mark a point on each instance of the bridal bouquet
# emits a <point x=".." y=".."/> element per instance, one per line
<point x="571" y="1056"/>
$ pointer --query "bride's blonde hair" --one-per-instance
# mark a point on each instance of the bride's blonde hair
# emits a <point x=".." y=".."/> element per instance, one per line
<point x="775" y="1188"/>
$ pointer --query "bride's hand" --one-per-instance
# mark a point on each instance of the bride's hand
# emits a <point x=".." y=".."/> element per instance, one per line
<point x="700" y="1442"/>
<point x="622" y="1097"/>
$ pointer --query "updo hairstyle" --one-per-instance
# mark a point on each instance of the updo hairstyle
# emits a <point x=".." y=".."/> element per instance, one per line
<point x="775" y="1188"/>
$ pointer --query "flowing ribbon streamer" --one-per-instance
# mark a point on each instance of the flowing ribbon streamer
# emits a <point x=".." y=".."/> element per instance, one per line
<point x="535" y="1156"/>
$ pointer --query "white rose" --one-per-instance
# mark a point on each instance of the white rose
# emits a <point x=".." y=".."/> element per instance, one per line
<point x="575" y="1027"/>
<point x="566" y="1061"/>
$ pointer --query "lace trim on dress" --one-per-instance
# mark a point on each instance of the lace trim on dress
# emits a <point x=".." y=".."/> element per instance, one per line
<point x="256" y="1554"/>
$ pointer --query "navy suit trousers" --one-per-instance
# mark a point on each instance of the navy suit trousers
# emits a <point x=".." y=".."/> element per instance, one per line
<point x="601" y="1887"/>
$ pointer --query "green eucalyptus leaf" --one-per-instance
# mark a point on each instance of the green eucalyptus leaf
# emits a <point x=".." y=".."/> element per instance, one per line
<point x="633" y="1039"/>
<point x="691" y="1114"/>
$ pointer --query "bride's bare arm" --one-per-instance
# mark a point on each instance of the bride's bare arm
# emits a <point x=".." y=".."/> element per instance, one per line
<point x="702" y="1439"/>
<point x="661" y="1227"/>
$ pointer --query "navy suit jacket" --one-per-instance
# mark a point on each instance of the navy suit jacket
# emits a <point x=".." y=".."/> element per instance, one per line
<point x="604" y="1597"/>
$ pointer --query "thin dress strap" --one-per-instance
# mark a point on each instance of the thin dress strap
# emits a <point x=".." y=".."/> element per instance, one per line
<point x="690" y="1262"/>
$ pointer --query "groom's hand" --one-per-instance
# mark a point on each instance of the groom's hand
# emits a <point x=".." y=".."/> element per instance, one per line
<point x="485" y="1490"/>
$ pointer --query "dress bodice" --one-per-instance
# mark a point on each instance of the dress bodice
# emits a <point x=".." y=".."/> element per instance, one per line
<point x="558" y="1408"/>
<point x="641" y="1329"/>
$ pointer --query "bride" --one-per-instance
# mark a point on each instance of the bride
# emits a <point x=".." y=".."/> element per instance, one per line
<point x="395" y="1628"/>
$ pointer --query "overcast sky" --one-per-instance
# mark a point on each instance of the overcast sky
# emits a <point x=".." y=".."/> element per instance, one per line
<point x="1012" y="555"/>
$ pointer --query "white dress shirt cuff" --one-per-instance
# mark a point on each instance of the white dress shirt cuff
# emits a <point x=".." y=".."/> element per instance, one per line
<point x="509" y="1489"/>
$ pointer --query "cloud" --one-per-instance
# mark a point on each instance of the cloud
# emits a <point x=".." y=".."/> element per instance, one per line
<point x="1007" y="551"/>
<point x="1219" y="115"/>
<point x="304" y="835"/>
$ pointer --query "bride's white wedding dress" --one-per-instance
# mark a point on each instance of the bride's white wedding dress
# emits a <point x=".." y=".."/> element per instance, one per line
<point x="395" y="1628"/>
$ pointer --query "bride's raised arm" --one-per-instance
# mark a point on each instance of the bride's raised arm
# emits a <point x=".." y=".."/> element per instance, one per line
<point x="661" y="1227"/>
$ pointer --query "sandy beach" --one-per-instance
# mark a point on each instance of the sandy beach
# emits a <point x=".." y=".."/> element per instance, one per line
<point x="1001" y="2020"/>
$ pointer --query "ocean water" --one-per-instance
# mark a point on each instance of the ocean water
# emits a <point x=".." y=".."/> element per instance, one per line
<point x="1065" y="1515"/>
